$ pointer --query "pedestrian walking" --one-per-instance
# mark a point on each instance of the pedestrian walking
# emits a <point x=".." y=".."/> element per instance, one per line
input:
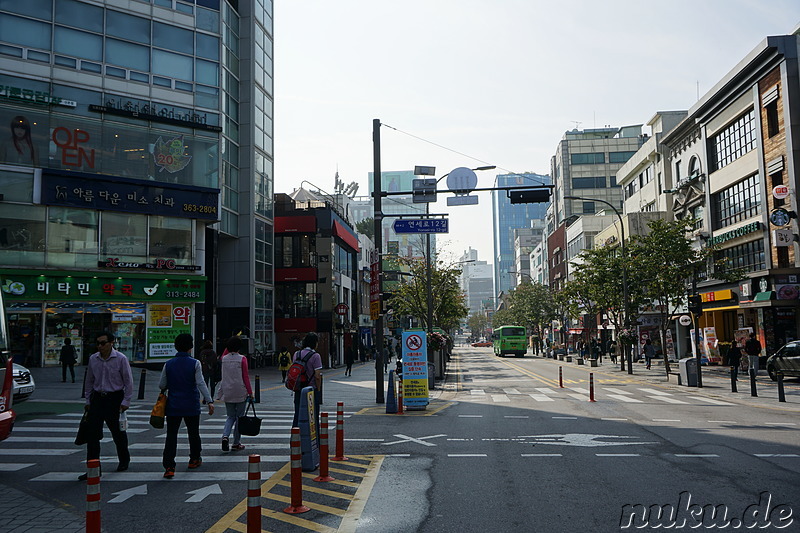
<point x="208" y="364"/>
<point x="612" y="350"/>
<point x="753" y="350"/>
<point x="182" y="380"/>
<point x="108" y="389"/>
<point x="649" y="352"/>
<point x="349" y="358"/>
<point x="284" y="362"/>
<point x="235" y="391"/>
<point x="67" y="358"/>
<point x="313" y="373"/>
<point x="734" y="358"/>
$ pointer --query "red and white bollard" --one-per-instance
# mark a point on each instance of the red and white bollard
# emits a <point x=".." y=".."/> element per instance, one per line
<point x="93" y="496"/>
<point x="254" y="494"/>
<point x="561" y="377"/>
<point x="339" y="433"/>
<point x="400" y="396"/>
<point x="591" y="387"/>
<point x="296" y="506"/>
<point x="323" y="450"/>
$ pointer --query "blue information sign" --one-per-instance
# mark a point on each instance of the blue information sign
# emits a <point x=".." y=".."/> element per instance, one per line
<point x="415" y="369"/>
<point x="421" y="225"/>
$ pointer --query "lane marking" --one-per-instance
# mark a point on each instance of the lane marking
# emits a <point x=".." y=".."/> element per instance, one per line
<point x="779" y="424"/>
<point x="668" y="399"/>
<point x="564" y="417"/>
<point x="420" y="440"/>
<point x="615" y="391"/>
<point x="696" y="455"/>
<point x="516" y="416"/>
<point x="721" y="422"/>
<point x="398" y="455"/>
<point x="709" y="400"/>
<point x="185" y="446"/>
<point x="43" y="451"/>
<point x="546" y="391"/>
<point x="665" y="420"/>
<point x="656" y="392"/>
<point x="22" y="429"/>
<point x="230" y="458"/>
<point x="626" y="399"/>
<point x="466" y="455"/>
<point x="13" y="467"/>
<point x="579" y="390"/>
<point x="129" y="476"/>
<point x="511" y="391"/>
<point x="615" y="419"/>
<point x="500" y="398"/>
<point x="617" y="455"/>
<point x="776" y="455"/>
<point x="477" y="392"/>
<point x="541" y="455"/>
<point x="360" y="440"/>
<point x="470" y="416"/>
<point x="541" y="398"/>
<point x="577" y="396"/>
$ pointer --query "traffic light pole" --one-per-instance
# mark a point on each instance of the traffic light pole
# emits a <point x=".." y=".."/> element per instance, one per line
<point x="378" y="231"/>
<point x="697" y="350"/>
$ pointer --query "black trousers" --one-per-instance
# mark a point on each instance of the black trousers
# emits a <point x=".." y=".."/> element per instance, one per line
<point x="64" y="367"/>
<point x="171" y="444"/>
<point x="104" y="408"/>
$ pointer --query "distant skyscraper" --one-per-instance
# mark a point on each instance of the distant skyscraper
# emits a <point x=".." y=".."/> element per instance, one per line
<point x="507" y="217"/>
<point x="476" y="280"/>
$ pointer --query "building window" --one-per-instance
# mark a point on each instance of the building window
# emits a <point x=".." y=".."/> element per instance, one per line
<point x="598" y="182"/>
<point x="697" y="213"/>
<point x="123" y="235"/>
<point x="734" y="141"/>
<point x="748" y="256"/>
<point x="772" y="118"/>
<point x="619" y="157"/>
<point x="72" y="237"/>
<point x="631" y="188"/>
<point x="694" y="167"/>
<point x="588" y="208"/>
<point x="297" y="300"/>
<point x="588" y="159"/>
<point x="22" y="235"/>
<point x="171" y="238"/>
<point x="646" y="176"/>
<point x="736" y="203"/>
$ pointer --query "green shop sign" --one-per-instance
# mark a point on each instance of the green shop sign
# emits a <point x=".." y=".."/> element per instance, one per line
<point x="738" y="232"/>
<point x="19" y="285"/>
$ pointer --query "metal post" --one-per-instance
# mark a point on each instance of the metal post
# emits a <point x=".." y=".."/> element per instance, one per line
<point x="142" y="381"/>
<point x="781" y="391"/>
<point x="753" y="391"/>
<point x="378" y="230"/>
<point x="257" y="392"/>
<point x="733" y="381"/>
<point x="698" y="355"/>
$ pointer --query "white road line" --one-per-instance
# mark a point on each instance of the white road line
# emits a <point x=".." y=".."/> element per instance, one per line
<point x="397" y="455"/>
<point x="665" y="420"/>
<point x="129" y="476"/>
<point x="185" y="447"/>
<point x="617" y="455"/>
<point x="477" y="392"/>
<point x="217" y="436"/>
<point x="541" y="398"/>
<point x="22" y="428"/>
<point x="232" y="458"/>
<point x="667" y="399"/>
<point x="577" y="396"/>
<point x="362" y="440"/>
<point x="544" y="390"/>
<point x="511" y="391"/>
<point x="773" y="424"/>
<point x="470" y="416"/>
<point x="564" y="417"/>
<point x="14" y="467"/>
<point x="500" y="398"/>
<point x="511" y="416"/>
<point x="696" y="455"/>
<point x="615" y="391"/>
<point x="579" y="390"/>
<point x="776" y="455"/>
<point x="42" y="451"/>
<point x="656" y="392"/>
<point x="622" y="398"/>
<point x="615" y="419"/>
<point x="45" y="440"/>
<point x="541" y="455"/>
<point x="466" y="455"/>
<point x="709" y="400"/>
<point x="721" y="422"/>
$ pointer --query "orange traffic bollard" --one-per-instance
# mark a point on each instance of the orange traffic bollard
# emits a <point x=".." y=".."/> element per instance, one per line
<point x="93" y="496"/>
<point x="400" y="396"/>
<point x="254" y="494"/>
<point x="561" y="377"/>
<point x="339" y="433"/>
<point x="591" y="387"/>
<point x="296" y="506"/>
<point x="323" y="450"/>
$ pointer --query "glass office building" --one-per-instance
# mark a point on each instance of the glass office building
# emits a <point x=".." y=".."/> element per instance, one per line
<point x="129" y="131"/>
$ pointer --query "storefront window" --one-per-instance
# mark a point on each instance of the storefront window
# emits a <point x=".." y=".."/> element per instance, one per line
<point x="22" y="235"/>
<point x="16" y="186"/>
<point x="171" y="238"/>
<point x="72" y="237"/>
<point x="124" y="235"/>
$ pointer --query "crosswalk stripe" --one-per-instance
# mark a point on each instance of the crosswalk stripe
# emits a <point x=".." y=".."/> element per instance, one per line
<point x="14" y="467"/>
<point x="579" y="390"/>
<point x="709" y="400"/>
<point x="626" y="399"/>
<point x="500" y="398"/>
<point x="615" y="391"/>
<point x="541" y="398"/>
<point x="217" y="436"/>
<point x="45" y="440"/>
<point x="180" y="475"/>
<point x="656" y="392"/>
<point x="39" y="451"/>
<point x="477" y="392"/>
<point x="22" y="428"/>
<point x="250" y="446"/>
<point x="577" y="396"/>
<point x="233" y="458"/>
<point x="668" y="399"/>
<point x="546" y="391"/>
<point x="511" y="391"/>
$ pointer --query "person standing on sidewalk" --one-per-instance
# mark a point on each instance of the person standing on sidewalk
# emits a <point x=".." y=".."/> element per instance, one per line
<point x="235" y="391"/>
<point x="284" y="362"/>
<point x="649" y="352"/>
<point x="108" y="389"/>
<point x="68" y="358"/>
<point x="734" y="359"/>
<point x="182" y="378"/>
<point x="753" y="350"/>
<point x="349" y="358"/>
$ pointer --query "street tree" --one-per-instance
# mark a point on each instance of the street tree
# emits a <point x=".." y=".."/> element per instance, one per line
<point x="533" y="306"/>
<point x="366" y="227"/>
<point x="477" y="324"/>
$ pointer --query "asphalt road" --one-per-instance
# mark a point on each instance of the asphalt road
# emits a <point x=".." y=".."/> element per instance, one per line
<point x="501" y="448"/>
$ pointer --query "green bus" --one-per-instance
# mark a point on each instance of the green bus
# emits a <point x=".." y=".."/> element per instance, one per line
<point x="510" y="340"/>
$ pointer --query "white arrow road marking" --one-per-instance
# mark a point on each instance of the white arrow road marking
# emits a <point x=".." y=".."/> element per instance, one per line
<point x="583" y="440"/>
<point x="126" y="494"/>
<point x="200" y="494"/>
<point x="420" y="440"/>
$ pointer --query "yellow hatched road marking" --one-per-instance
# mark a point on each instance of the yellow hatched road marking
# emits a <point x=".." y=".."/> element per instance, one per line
<point x="296" y="520"/>
<point x="317" y="490"/>
<point x="311" y="505"/>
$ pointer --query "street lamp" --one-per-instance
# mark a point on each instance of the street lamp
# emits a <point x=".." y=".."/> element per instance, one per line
<point x="626" y="319"/>
<point x="520" y="274"/>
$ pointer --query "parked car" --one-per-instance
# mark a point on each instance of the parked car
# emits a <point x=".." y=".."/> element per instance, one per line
<point x="23" y="383"/>
<point x="483" y="344"/>
<point x="7" y="415"/>
<point x="787" y="360"/>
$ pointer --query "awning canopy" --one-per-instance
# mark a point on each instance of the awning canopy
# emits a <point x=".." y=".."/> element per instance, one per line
<point x="340" y="231"/>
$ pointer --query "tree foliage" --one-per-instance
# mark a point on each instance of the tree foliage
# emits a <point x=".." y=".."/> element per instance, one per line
<point x="530" y="305"/>
<point x="367" y="227"/>
<point x="477" y="324"/>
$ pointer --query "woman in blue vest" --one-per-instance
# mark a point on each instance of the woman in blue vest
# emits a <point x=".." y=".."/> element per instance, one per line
<point x="182" y="379"/>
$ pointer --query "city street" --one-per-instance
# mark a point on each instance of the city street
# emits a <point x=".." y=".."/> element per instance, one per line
<point x="501" y="448"/>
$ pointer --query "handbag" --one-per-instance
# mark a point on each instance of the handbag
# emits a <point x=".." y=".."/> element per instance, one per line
<point x="250" y="425"/>
<point x="83" y="430"/>
<point x="159" y="412"/>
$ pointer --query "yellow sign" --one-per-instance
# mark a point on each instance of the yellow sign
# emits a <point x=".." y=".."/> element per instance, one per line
<point x="375" y="310"/>
<point x="159" y="316"/>
<point x="415" y="388"/>
<point x="312" y="419"/>
<point x="717" y="296"/>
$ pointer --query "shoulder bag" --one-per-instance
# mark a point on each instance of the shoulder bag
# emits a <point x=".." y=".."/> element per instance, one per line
<point x="250" y="425"/>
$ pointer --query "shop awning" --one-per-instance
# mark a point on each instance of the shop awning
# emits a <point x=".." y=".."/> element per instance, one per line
<point x="340" y="231"/>
<point x="764" y="296"/>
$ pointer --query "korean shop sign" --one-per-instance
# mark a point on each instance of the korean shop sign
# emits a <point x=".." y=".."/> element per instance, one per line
<point x="29" y="96"/>
<point x="164" y="323"/>
<point x="72" y="189"/>
<point x="57" y="287"/>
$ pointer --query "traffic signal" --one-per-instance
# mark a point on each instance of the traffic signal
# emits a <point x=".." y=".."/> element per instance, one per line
<point x="531" y="196"/>
<point x="696" y="304"/>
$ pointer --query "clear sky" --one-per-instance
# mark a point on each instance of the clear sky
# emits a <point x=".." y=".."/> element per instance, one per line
<point x="500" y="82"/>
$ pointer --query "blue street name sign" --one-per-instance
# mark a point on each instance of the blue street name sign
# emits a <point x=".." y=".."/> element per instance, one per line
<point x="421" y="225"/>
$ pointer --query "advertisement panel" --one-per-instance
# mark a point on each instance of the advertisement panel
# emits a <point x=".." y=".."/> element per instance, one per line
<point x="164" y="323"/>
<point x="415" y="369"/>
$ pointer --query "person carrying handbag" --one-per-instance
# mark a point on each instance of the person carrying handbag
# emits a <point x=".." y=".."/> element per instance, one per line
<point x="235" y="391"/>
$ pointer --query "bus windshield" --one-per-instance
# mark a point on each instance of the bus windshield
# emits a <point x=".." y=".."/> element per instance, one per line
<point x="513" y="332"/>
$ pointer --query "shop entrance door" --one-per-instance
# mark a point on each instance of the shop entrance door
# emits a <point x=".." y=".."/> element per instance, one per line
<point x="26" y="341"/>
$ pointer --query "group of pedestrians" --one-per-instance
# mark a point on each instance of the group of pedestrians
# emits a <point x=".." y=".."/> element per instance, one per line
<point x="752" y="348"/>
<point x="108" y="389"/>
